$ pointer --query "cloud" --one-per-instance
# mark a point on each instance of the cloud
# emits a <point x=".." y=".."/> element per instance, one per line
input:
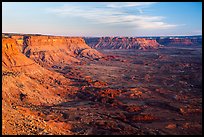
<point x="112" y="15"/>
<point x="140" y="11"/>
<point x="128" y="4"/>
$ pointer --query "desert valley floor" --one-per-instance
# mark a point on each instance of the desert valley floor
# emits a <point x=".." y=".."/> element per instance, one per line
<point x="137" y="92"/>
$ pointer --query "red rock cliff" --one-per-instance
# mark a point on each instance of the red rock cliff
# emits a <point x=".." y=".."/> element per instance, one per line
<point x="56" y="49"/>
<point x="122" y="43"/>
<point x="180" y="42"/>
<point x="24" y="82"/>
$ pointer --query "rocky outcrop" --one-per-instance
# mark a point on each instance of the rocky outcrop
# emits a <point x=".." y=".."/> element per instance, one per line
<point x="22" y="59"/>
<point x="122" y="43"/>
<point x="9" y="46"/>
<point x="51" y="50"/>
<point x="24" y="78"/>
<point x="25" y="83"/>
<point x="180" y="41"/>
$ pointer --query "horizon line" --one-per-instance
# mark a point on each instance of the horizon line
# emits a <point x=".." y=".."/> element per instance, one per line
<point x="19" y="33"/>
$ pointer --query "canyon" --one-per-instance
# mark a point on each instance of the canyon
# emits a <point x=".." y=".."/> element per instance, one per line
<point x="55" y="85"/>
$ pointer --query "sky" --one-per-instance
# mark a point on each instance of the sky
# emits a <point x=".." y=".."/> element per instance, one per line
<point x="103" y="18"/>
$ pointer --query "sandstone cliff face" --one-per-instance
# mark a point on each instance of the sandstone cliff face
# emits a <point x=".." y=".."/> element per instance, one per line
<point x="122" y="43"/>
<point x="180" y="42"/>
<point x="21" y="62"/>
<point x="9" y="46"/>
<point x="25" y="83"/>
<point x="18" y="70"/>
<point x="51" y="50"/>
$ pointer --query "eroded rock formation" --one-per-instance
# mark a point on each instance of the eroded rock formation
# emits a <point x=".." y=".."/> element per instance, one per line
<point x="122" y="43"/>
<point x="52" y="50"/>
<point x="26" y="83"/>
<point x="180" y="41"/>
